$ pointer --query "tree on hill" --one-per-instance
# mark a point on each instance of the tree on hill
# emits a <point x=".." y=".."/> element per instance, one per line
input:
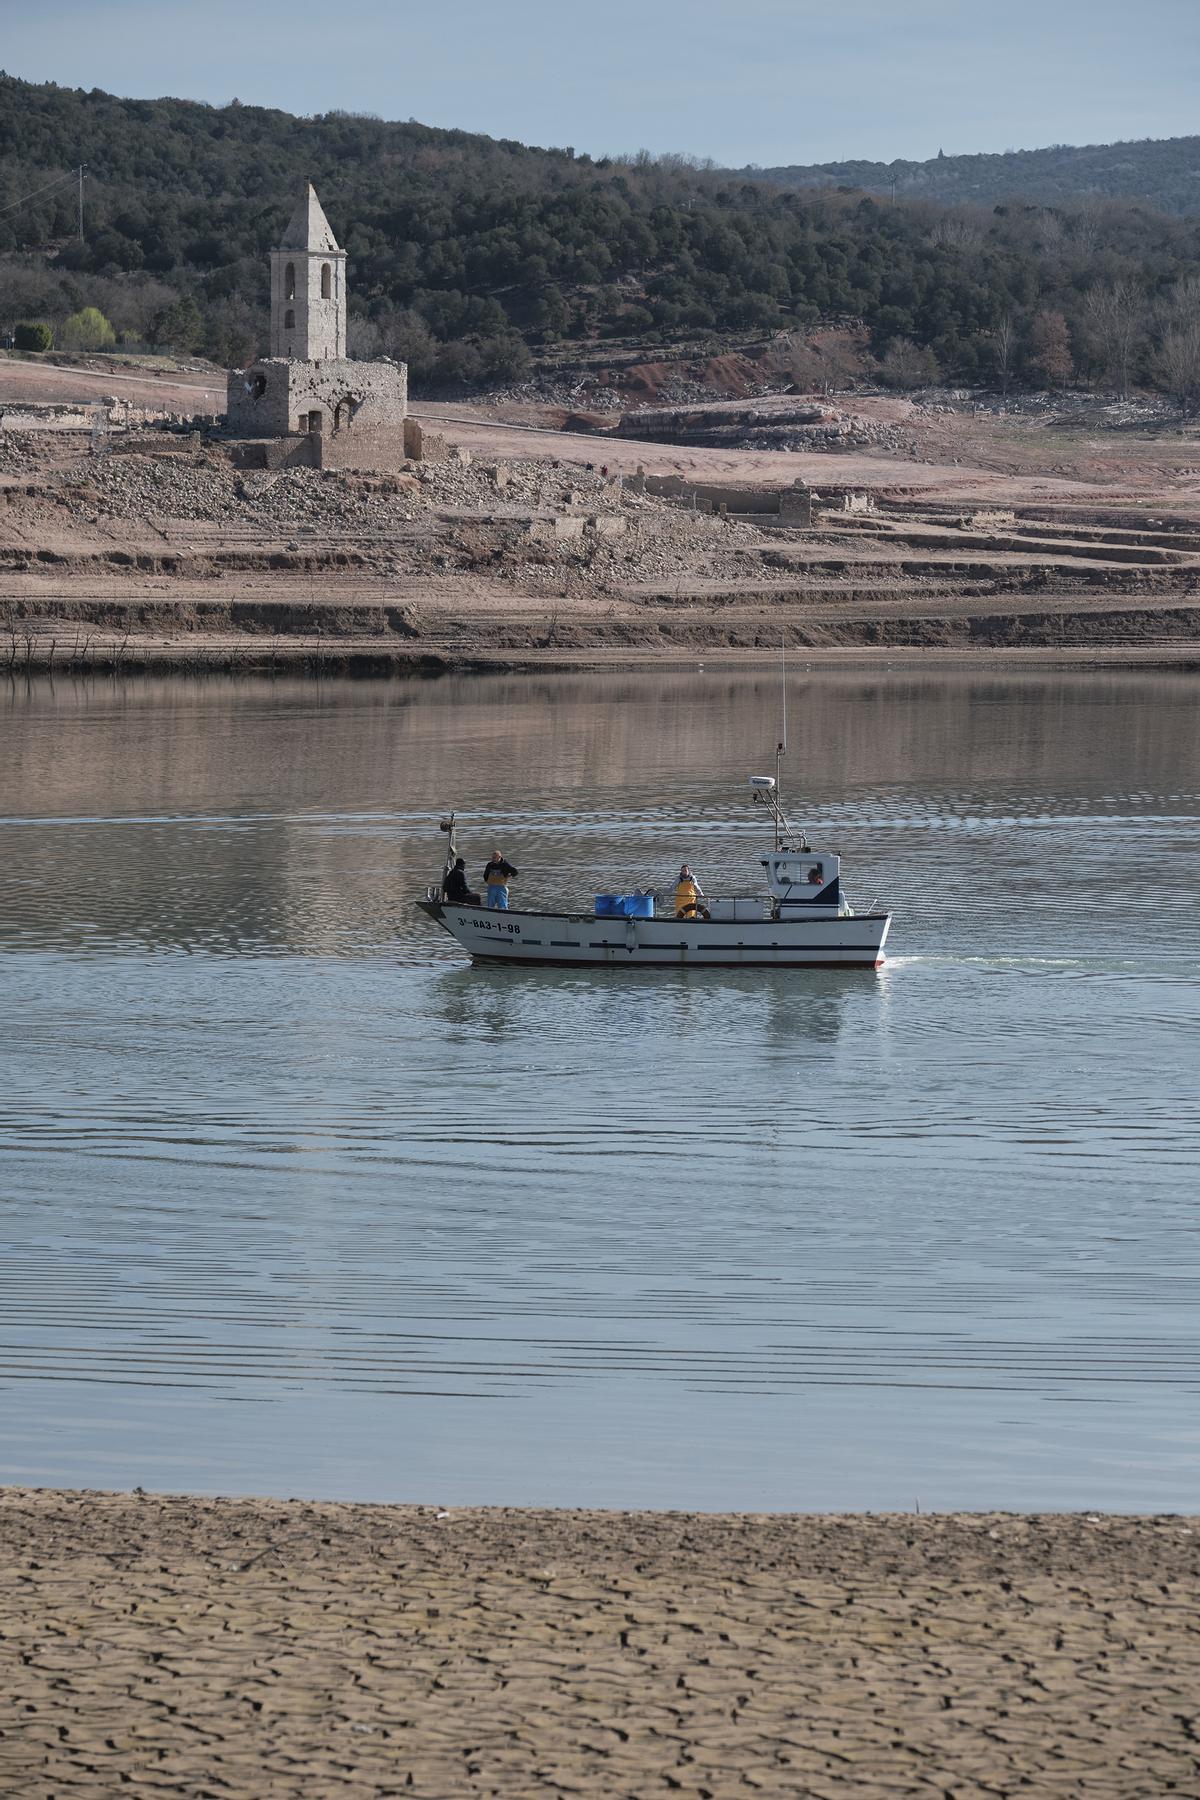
<point x="233" y="333"/>
<point x="178" y="327"/>
<point x="87" y="329"/>
<point x="1005" y="350"/>
<point x="1178" y="365"/>
<point x="907" y="365"/>
<point x="1050" y="356"/>
<point x="1177" y="357"/>
<point x="1114" y="319"/>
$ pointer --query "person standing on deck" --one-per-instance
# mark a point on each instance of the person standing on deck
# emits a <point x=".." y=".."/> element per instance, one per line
<point x="496" y="878"/>
<point x="688" y="894"/>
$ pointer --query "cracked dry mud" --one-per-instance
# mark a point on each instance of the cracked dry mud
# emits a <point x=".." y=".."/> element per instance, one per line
<point x="261" y="1648"/>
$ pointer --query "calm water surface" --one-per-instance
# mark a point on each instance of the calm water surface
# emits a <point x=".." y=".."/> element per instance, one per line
<point x="294" y="1201"/>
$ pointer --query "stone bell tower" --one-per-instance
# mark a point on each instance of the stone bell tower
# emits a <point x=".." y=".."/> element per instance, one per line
<point x="306" y="404"/>
<point x="308" y="288"/>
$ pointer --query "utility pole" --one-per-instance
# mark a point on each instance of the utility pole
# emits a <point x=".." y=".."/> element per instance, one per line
<point x="82" y="172"/>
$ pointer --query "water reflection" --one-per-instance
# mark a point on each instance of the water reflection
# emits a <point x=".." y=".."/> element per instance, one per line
<point x="293" y="1200"/>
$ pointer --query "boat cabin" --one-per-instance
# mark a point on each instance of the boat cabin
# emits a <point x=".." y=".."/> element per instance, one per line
<point x="803" y="878"/>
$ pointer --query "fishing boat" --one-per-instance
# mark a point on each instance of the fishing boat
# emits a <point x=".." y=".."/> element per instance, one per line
<point x="800" y="917"/>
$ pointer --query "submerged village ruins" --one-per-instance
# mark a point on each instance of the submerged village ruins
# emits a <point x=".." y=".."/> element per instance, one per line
<point x="320" y="518"/>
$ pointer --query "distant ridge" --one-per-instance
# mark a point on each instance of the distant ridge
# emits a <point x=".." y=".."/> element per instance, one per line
<point x="1163" y="172"/>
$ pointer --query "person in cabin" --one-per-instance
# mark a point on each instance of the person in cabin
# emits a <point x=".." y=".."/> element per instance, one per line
<point x="688" y="894"/>
<point x="455" y="889"/>
<point x="496" y="878"/>
<point x="815" y="877"/>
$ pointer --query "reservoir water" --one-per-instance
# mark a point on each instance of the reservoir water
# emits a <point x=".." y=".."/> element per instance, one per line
<point x="294" y="1201"/>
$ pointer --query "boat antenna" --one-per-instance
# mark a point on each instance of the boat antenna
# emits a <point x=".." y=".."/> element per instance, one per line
<point x="781" y="746"/>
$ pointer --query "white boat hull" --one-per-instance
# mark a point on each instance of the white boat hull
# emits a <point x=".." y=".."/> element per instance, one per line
<point x="848" y="940"/>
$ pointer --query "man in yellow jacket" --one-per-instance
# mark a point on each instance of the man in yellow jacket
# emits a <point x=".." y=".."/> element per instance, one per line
<point x="688" y="895"/>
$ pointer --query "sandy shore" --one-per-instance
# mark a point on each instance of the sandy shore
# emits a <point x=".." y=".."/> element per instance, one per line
<point x="255" y="1648"/>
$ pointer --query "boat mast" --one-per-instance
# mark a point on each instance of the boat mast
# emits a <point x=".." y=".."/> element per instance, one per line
<point x="781" y="746"/>
<point x="447" y="825"/>
<point x="766" y="788"/>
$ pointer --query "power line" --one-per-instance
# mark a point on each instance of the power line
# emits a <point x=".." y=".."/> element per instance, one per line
<point x="46" y="187"/>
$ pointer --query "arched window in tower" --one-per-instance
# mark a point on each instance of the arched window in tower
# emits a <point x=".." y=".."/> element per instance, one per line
<point x="289" y="282"/>
<point x="289" y="320"/>
<point x="326" y="282"/>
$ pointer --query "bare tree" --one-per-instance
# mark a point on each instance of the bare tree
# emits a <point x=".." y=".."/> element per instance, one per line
<point x="1177" y="358"/>
<point x="1085" y="229"/>
<point x="1177" y="365"/>
<point x="1050" y="234"/>
<point x="908" y="365"/>
<point x="1050" y="348"/>
<point x="1115" y="319"/>
<point x="958" y="230"/>
<point x="1004" y="351"/>
<point x="363" y="337"/>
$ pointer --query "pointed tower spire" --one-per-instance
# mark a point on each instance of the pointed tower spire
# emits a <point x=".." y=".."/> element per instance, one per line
<point x="308" y="288"/>
<point x="308" y="228"/>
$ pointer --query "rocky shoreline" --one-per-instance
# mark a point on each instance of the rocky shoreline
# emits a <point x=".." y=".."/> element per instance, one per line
<point x="203" y="1647"/>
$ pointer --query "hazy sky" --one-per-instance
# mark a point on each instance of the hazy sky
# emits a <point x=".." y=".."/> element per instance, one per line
<point x="766" y="81"/>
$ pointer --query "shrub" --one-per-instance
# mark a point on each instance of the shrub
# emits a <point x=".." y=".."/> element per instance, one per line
<point x="33" y="334"/>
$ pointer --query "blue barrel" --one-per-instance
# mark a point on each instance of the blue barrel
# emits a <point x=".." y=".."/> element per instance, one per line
<point x="608" y="906"/>
<point x="637" y="906"/>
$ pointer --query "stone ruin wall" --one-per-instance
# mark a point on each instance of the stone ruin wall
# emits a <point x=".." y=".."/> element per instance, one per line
<point x="716" y="424"/>
<point x="275" y="398"/>
<point x="791" y="506"/>
<point x="109" y="414"/>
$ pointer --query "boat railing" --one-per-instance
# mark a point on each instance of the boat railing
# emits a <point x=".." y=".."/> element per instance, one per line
<point x="737" y="908"/>
<point x="750" y="906"/>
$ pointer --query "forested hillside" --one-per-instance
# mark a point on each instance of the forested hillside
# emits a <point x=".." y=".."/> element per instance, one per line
<point x="467" y="252"/>
<point x="1163" y="173"/>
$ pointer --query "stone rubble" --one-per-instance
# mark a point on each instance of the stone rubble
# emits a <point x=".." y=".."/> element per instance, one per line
<point x="503" y="520"/>
<point x="18" y="452"/>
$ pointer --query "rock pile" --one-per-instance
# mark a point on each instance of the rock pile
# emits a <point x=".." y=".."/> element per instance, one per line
<point x="18" y="452"/>
<point x="572" y="395"/>
<point x="672" y="543"/>
<point x="1095" y="411"/>
<point x="152" y="488"/>
<point x="426" y="518"/>
<point x="802" y="425"/>
<point x="207" y="488"/>
<point x="838" y="431"/>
